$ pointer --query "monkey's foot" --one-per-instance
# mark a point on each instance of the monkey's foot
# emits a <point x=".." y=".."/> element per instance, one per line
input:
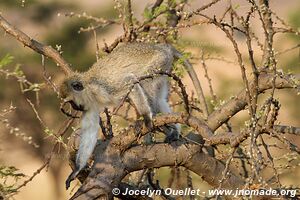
<point x="172" y="134"/>
<point x="71" y="177"/>
<point x="171" y="138"/>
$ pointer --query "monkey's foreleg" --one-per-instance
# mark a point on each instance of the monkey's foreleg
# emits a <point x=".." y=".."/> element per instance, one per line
<point x="71" y="177"/>
<point x="88" y="141"/>
<point x="141" y="103"/>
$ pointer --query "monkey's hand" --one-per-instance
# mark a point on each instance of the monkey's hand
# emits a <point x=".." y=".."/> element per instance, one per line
<point x="71" y="177"/>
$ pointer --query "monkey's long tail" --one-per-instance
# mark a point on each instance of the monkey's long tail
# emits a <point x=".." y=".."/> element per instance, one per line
<point x="190" y="69"/>
<point x="193" y="76"/>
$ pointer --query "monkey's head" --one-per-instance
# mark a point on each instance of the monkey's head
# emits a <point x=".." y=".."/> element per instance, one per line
<point x="72" y="90"/>
<point x="83" y="93"/>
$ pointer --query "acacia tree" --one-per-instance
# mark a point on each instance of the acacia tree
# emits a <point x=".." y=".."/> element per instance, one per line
<point x="201" y="149"/>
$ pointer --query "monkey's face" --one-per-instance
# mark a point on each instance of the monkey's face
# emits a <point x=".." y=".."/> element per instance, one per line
<point x="85" y="93"/>
<point x="73" y="90"/>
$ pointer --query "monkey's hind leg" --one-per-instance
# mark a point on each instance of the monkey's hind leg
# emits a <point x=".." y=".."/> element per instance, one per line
<point x="172" y="130"/>
<point x="158" y="90"/>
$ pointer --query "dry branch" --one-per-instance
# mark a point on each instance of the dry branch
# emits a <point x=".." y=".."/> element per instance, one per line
<point x="127" y="137"/>
<point x="47" y="51"/>
<point x="287" y="129"/>
<point x="110" y="166"/>
<point x="238" y="103"/>
<point x="187" y="155"/>
<point x="267" y="22"/>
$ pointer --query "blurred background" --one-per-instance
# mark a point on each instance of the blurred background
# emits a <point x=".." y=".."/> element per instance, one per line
<point x="24" y="142"/>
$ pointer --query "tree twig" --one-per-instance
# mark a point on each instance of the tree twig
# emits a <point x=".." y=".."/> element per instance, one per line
<point x="35" y="45"/>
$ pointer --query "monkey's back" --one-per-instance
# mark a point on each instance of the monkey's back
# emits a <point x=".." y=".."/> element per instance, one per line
<point x="129" y="61"/>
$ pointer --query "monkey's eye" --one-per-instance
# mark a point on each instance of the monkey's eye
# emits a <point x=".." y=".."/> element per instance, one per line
<point x="77" y="86"/>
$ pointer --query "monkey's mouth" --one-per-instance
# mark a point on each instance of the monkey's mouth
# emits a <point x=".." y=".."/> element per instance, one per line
<point x="75" y="106"/>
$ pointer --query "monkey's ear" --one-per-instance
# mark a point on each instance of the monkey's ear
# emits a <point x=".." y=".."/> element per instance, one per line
<point x="77" y="86"/>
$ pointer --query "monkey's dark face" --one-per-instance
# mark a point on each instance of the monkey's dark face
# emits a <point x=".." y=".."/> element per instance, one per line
<point x="72" y="91"/>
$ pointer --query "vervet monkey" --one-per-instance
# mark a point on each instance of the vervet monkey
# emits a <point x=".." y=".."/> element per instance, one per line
<point x="107" y="82"/>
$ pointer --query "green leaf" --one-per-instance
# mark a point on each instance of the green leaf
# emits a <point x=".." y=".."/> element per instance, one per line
<point x="147" y="13"/>
<point x="7" y="59"/>
<point x="162" y="8"/>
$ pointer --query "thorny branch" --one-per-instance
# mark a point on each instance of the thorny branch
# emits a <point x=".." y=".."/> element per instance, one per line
<point x="35" y="45"/>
